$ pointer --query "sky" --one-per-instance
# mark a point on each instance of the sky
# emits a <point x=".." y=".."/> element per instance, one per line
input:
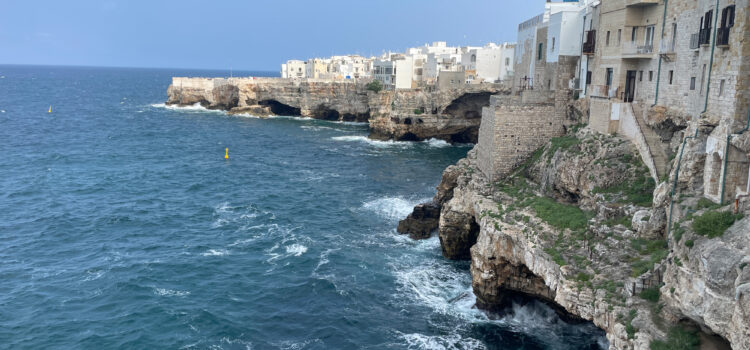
<point x="243" y="35"/>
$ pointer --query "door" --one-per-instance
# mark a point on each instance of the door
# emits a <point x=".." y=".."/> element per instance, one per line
<point x="629" y="86"/>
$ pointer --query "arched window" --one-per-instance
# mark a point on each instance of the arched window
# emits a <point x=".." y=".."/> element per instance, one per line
<point x="473" y="58"/>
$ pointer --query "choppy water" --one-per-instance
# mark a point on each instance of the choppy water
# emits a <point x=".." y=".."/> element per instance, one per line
<point x="122" y="226"/>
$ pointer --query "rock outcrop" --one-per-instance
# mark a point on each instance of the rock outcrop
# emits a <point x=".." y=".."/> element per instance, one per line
<point x="452" y="115"/>
<point x="582" y="226"/>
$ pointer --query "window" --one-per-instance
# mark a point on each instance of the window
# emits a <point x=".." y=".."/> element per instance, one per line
<point x="703" y="78"/>
<point x="552" y="48"/>
<point x="507" y="61"/>
<point x="549" y="84"/>
<point x="609" y="77"/>
<point x="588" y="78"/>
<point x="692" y="83"/>
<point x="721" y="87"/>
<point x="607" y="41"/>
<point x="650" y="75"/>
<point x="540" y="52"/>
<point x="707" y="23"/>
<point x="649" y="41"/>
<point x="727" y="17"/>
<point x="640" y="76"/>
<point x="671" y="75"/>
<point x="619" y="36"/>
<point x="634" y="34"/>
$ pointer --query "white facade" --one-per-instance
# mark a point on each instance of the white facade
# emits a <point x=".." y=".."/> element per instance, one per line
<point x="491" y="63"/>
<point x="294" y="69"/>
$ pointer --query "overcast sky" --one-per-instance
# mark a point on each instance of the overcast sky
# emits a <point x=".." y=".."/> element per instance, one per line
<point x="249" y="35"/>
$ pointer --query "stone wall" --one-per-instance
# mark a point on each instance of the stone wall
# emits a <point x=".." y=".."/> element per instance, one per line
<point x="511" y="131"/>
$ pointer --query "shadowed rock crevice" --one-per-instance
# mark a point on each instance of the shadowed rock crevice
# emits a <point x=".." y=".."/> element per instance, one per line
<point x="279" y="108"/>
<point x="468" y="106"/>
<point x="458" y="233"/>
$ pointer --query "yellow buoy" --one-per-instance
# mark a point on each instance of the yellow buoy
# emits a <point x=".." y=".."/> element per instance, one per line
<point x="50" y="109"/>
<point x="226" y="155"/>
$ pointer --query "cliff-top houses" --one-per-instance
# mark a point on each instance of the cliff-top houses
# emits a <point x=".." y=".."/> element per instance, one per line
<point x="436" y="64"/>
<point x="639" y="62"/>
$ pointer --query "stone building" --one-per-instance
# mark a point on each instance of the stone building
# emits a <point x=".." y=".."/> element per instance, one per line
<point x="682" y="58"/>
<point x="294" y="69"/>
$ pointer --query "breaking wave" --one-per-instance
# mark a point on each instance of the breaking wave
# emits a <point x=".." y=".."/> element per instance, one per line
<point x="192" y="108"/>
<point x="392" y="208"/>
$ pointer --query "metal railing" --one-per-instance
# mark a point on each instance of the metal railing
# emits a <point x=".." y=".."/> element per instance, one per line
<point x="722" y="37"/>
<point x="633" y="48"/>
<point x="705" y="36"/>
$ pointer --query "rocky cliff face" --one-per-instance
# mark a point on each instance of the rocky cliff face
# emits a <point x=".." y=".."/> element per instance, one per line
<point x="582" y="226"/>
<point x="411" y="115"/>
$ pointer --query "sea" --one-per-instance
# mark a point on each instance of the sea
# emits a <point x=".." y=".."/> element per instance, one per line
<point x="122" y="226"/>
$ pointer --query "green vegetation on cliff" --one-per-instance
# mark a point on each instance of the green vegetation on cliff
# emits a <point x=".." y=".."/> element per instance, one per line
<point x="714" y="223"/>
<point x="678" y="339"/>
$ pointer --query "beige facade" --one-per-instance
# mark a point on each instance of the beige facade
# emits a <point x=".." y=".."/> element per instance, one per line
<point x="690" y="58"/>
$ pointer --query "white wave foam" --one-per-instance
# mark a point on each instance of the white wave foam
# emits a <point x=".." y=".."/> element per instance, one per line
<point x="2" y="111"/>
<point x="433" y="142"/>
<point x="296" y="249"/>
<point x="170" y="293"/>
<point x="441" y="342"/>
<point x="192" y="108"/>
<point x="93" y="275"/>
<point x="215" y="252"/>
<point x="316" y="127"/>
<point x="392" y="208"/>
<point x="376" y="143"/>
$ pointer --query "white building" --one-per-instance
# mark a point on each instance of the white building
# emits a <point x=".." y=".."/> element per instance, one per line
<point x="492" y="63"/>
<point x="294" y="69"/>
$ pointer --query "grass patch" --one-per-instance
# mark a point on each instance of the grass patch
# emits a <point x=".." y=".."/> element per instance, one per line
<point x="678" y="232"/>
<point x="678" y="339"/>
<point x="628" y="321"/>
<point x="622" y="220"/>
<point x="689" y="243"/>
<point x="639" y="191"/>
<point x="650" y="294"/>
<point x="558" y="215"/>
<point x="714" y="223"/>
<point x="556" y="256"/>
<point x="653" y="251"/>
<point x="561" y="143"/>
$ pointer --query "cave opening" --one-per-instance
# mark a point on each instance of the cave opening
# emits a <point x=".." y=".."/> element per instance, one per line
<point x="468" y="106"/>
<point x="408" y="137"/>
<point x="279" y="108"/>
<point x="468" y="135"/>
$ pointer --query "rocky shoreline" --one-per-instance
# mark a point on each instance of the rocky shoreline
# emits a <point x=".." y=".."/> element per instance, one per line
<point x="581" y="225"/>
<point x="452" y="115"/>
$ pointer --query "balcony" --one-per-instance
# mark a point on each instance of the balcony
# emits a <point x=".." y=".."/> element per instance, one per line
<point x="695" y="41"/>
<point x="666" y="46"/>
<point x="635" y="50"/>
<point x="722" y="37"/>
<point x="704" y="36"/>
<point x="589" y="47"/>
<point x="637" y="3"/>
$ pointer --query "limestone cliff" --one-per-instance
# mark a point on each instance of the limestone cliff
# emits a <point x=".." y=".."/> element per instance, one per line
<point x="452" y="115"/>
<point x="582" y="226"/>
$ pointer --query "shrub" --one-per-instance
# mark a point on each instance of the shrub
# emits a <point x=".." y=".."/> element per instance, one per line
<point x="714" y="223"/>
<point x="677" y="339"/>
<point x="650" y="294"/>
<point x="418" y="111"/>
<point x="689" y="243"/>
<point x="375" y="86"/>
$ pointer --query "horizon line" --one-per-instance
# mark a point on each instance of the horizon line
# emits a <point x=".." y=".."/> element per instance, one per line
<point x="131" y="67"/>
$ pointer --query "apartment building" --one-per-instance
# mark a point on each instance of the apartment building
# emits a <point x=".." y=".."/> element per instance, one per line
<point x="687" y="58"/>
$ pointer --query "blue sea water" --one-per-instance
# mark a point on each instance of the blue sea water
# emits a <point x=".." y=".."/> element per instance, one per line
<point x="122" y="226"/>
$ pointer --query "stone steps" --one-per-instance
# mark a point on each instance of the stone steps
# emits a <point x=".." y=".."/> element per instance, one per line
<point x="661" y="161"/>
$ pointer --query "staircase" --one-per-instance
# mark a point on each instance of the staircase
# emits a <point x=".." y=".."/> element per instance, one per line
<point x="661" y="161"/>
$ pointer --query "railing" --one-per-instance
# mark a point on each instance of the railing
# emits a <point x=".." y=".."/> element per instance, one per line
<point x="589" y="47"/>
<point x="633" y="48"/>
<point x="666" y="46"/>
<point x="695" y="41"/>
<point x="705" y="36"/>
<point x="722" y="37"/>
